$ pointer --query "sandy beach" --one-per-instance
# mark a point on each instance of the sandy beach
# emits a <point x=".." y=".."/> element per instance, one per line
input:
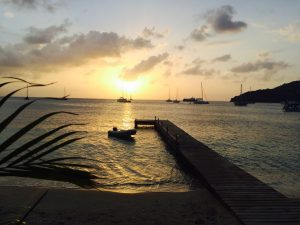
<point x="66" y="206"/>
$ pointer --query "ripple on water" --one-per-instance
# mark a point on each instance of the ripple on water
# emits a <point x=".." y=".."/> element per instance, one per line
<point x="260" y="138"/>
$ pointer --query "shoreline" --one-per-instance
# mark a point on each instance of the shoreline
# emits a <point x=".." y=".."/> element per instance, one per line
<point x="79" y="206"/>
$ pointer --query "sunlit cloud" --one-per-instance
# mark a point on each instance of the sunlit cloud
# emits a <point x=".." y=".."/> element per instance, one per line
<point x="44" y="48"/>
<point x="290" y="32"/>
<point x="143" y="67"/>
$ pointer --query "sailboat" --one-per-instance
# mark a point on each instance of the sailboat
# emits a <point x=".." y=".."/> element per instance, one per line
<point x="27" y="97"/>
<point x="65" y="97"/>
<point x="169" y="99"/>
<point x="200" y="100"/>
<point x="176" y="100"/>
<point x="241" y="102"/>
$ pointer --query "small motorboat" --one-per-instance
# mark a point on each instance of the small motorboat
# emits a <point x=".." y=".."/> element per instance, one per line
<point x="125" y="134"/>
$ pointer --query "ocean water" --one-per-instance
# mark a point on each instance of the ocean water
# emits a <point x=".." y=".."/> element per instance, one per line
<point x="260" y="138"/>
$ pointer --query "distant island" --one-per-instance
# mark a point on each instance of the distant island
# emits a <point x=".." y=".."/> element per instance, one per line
<point x="285" y="92"/>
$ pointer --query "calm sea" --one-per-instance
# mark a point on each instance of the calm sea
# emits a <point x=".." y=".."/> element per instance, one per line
<point x="260" y="138"/>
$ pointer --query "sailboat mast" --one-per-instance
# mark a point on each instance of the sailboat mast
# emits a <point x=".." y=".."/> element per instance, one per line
<point x="201" y="91"/>
<point x="169" y="93"/>
<point x="241" y="88"/>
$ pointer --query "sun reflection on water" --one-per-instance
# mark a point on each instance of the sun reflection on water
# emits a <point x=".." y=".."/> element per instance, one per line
<point x="127" y="119"/>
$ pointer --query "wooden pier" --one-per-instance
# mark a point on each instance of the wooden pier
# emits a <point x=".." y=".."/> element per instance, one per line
<point x="144" y="123"/>
<point x="250" y="200"/>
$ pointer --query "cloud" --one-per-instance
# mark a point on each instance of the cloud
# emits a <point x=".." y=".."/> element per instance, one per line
<point x="218" y="21"/>
<point x="49" y="5"/>
<point x="179" y="47"/>
<point x="268" y="67"/>
<point x="196" y="69"/>
<point x="223" y="58"/>
<point x="143" y="67"/>
<point x="200" y="34"/>
<point x="219" y="43"/>
<point x="56" y="52"/>
<point x="290" y="32"/>
<point x="151" y="32"/>
<point x="263" y="55"/>
<point x="221" y="20"/>
<point x="47" y="35"/>
<point x="9" y="14"/>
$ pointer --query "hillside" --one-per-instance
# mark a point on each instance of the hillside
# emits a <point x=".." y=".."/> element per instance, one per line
<point x="289" y="91"/>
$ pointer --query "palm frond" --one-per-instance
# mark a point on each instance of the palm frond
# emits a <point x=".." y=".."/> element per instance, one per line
<point x="66" y="158"/>
<point x="17" y="78"/>
<point x="6" y="97"/>
<point x="34" y="151"/>
<point x="27" y="161"/>
<point x="27" y="82"/>
<point x="51" y="150"/>
<point x="11" y="117"/>
<point x="81" y="178"/>
<point x="27" y="128"/>
<point x="5" y="83"/>
<point x="66" y="164"/>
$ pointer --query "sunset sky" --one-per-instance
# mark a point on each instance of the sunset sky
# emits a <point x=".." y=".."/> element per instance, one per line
<point x="96" y="49"/>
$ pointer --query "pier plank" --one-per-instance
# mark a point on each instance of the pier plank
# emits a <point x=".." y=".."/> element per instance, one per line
<point x="250" y="200"/>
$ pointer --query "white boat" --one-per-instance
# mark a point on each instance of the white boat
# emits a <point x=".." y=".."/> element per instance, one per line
<point x="124" y="100"/>
<point x="121" y="133"/>
<point x="200" y="101"/>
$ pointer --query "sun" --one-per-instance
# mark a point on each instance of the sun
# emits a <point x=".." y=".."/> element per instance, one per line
<point x="129" y="87"/>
